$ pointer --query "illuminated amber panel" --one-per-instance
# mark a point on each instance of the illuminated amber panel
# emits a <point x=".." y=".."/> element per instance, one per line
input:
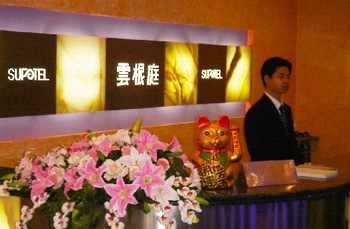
<point x="80" y="74"/>
<point x="237" y="73"/>
<point x="181" y="67"/>
<point x="9" y="212"/>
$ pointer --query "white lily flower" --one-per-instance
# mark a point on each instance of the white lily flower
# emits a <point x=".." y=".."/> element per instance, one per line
<point x="114" y="169"/>
<point x="165" y="193"/>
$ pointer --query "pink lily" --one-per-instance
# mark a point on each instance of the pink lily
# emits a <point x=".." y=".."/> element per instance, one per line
<point x="92" y="174"/>
<point x="82" y="145"/>
<point x="148" y="177"/>
<point x="73" y="180"/>
<point x="122" y="194"/>
<point x="174" y="145"/>
<point x="41" y="182"/>
<point x="105" y="146"/>
<point x="149" y="143"/>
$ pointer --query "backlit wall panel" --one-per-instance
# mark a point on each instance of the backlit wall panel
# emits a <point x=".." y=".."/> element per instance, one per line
<point x="48" y="74"/>
<point x="27" y="74"/>
<point x="80" y="74"/>
<point x="135" y="74"/>
<point x="181" y="68"/>
<point x="237" y="73"/>
<point x="30" y="20"/>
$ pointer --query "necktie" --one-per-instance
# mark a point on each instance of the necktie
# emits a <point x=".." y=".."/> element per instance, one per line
<point x="283" y="115"/>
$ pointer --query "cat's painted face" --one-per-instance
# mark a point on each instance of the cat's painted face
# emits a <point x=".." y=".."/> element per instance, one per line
<point x="214" y="135"/>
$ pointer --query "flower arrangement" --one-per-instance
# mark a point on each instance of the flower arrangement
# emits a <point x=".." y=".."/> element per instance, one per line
<point x="102" y="175"/>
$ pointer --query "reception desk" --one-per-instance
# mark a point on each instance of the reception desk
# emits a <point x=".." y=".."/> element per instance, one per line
<point x="278" y="207"/>
<point x="306" y="204"/>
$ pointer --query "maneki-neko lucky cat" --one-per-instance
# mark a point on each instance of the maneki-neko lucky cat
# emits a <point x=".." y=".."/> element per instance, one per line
<point x="218" y="151"/>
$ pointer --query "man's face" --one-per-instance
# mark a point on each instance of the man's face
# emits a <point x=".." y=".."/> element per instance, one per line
<point x="279" y="81"/>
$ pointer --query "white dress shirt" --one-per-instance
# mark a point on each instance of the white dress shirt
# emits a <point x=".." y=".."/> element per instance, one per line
<point x="275" y="101"/>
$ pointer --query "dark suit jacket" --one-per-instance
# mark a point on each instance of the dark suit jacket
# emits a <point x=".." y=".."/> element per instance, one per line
<point x="266" y="137"/>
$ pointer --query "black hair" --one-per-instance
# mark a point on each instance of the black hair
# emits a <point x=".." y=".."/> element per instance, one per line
<point x="270" y="65"/>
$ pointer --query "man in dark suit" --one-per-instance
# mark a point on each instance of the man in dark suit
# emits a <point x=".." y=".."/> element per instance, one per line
<point x="268" y="124"/>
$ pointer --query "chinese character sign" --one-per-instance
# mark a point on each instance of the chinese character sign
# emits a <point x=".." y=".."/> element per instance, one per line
<point x="135" y="74"/>
<point x="153" y="75"/>
<point x="123" y="72"/>
<point x="138" y="76"/>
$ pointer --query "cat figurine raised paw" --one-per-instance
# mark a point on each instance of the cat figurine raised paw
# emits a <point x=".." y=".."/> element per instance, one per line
<point x="217" y="154"/>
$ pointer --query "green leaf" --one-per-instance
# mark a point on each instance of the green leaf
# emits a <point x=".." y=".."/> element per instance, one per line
<point x="195" y="220"/>
<point x="101" y="156"/>
<point x="7" y="176"/>
<point x="146" y="207"/>
<point x="115" y="155"/>
<point x="223" y="158"/>
<point x="5" y="172"/>
<point x="161" y="153"/>
<point x="90" y="134"/>
<point x="80" y="221"/>
<point x="140" y="195"/>
<point x="16" y="184"/>
<point x="174" y="154"/>
<point x="86" y="214"/>
<point x="204" y="155"/>
<point x="202" y="201"/>
<point x="179" y="168"/>
<point x="149" y="200"/>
